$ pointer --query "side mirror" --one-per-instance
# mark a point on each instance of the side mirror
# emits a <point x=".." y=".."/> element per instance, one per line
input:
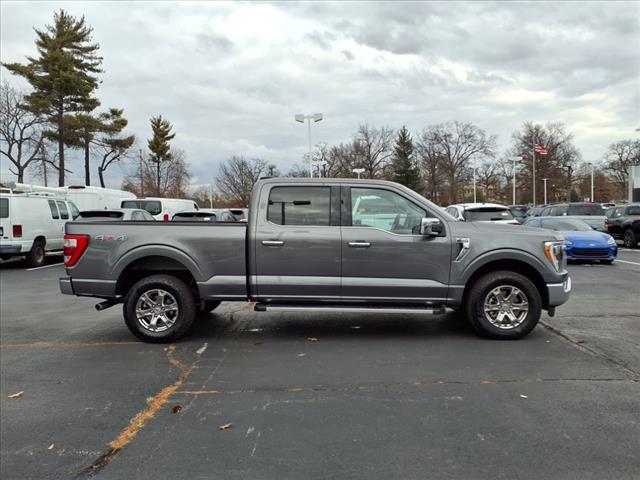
<point x="431" y="227"/>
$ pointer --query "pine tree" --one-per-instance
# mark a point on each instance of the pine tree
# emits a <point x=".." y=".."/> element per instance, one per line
<point x="63" y="77"/>
<point x="159" y="144"/>
<point x="82" y="129"/>
<point x="111" y="144"/>
<point x="403" y="169"/>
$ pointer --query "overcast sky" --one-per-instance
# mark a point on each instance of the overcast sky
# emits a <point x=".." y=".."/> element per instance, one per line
<point x="231" y="76"/>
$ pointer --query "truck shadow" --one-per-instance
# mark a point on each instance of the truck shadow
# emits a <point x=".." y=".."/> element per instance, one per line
<point x="284" y="326"/>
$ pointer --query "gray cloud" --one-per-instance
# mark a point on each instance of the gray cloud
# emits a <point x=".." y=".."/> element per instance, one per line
<point x="231" y="76"/>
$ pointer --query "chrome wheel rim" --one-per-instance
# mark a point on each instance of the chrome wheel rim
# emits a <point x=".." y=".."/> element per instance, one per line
<point x="506" y="307"/>
<point x="627" y="239"/>
<point x="157" y="310"/>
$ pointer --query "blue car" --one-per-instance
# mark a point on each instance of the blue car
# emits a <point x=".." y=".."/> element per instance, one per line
<point x="581" y="240"/>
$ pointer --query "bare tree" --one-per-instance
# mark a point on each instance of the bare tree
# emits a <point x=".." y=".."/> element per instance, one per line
<point x="237" y="176"/>
<point x="619" y="159"/>
<point x="459" y="143"/>
<point x="21" y="131"/>
<point x="431" y="162"/>
<point x="112" y="146"/>
<point x="174" y="176"/>
<point x="488" y="179"/>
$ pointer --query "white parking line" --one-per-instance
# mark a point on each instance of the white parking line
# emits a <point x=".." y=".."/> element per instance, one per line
<point x="624" y="261"/>
<point x="45" y="266"/>
<point x="628" y="250"/>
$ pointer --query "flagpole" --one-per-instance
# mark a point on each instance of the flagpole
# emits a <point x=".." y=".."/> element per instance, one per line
<point x="534" y="171"/>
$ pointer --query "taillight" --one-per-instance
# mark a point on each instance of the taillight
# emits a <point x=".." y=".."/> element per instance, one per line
<point x="17" y="231"/>
<point x="166" y="217"/>
<point x="74" y="247"/>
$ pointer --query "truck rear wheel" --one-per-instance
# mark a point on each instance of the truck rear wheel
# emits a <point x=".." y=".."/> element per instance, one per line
<point x="36" y="256"/>
<point x="159" y="308"/>
<point x="503" y="305"/>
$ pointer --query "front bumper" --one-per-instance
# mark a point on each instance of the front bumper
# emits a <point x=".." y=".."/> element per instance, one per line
<point x="610" y="252"/>
<point x="559" y="292"/>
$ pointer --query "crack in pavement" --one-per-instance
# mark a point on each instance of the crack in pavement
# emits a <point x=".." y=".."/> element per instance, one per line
<point x="596" y="353"/>
<point x="137" y="422"/>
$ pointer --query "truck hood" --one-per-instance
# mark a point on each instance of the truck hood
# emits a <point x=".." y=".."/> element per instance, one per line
<point x="503" y="235"/>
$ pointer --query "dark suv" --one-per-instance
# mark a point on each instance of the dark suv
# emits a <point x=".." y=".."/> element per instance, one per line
<point x="624" y="222"/>
<point x="592" y="213"/>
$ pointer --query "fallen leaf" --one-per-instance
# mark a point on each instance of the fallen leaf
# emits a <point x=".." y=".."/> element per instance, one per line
<point x="226" y="426"/>
<point x="301" y="354"/>
<point x="177" y="409"/>
<point x="297" y="389"/>
<point x="50" y="447"/>
<point x="258" y="343"/>
<point x="524" y="396"/>
<point x="16" y="395"/>
<point x="312" y="339"/>
<point x="580" y="342"/>
<point x="487" y="382"/>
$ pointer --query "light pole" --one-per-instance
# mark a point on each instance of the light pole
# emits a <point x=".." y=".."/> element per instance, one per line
<point x="591" y="198"/>
<point x="316" y="117"/>
<point x="474" y="185"/>
<point x="358" y="171"/>
<point x="545" y="189"/>
<point x="515" y="159"/>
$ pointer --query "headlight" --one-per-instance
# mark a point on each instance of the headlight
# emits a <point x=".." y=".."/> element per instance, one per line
<point x="554" y="251"/>
<point x="611" y="241"/>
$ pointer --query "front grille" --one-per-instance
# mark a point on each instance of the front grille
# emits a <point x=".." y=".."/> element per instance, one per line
<point x="589" y="252"/>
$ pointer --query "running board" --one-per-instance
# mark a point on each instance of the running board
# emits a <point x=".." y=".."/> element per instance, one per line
<point x="264" y="307"/>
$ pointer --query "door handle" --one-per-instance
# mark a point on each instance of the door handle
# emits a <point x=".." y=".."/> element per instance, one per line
<point x="273" y="243"/>
<point x="359" y="244"/>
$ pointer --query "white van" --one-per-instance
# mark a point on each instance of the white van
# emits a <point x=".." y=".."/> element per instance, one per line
<point x="161" y="208"/>
<point x="96" y="198"/>
<point x="32" y="224"/>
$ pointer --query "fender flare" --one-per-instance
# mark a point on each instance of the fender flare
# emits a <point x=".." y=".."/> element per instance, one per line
<point x="505" y="254"/>
<point x="156" y="251"/>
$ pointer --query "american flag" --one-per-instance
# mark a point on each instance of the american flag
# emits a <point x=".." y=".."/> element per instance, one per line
<point x="541" y="149"/>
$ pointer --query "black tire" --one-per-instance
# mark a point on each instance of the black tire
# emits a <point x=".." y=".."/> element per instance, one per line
<point x="179" y="291"/>
<point x="210" y="306"/>
<point x="607" y="262"/>
<point x="36" y="256"/>
<point x="480" y="292"/>
<point x="629" y="239"/>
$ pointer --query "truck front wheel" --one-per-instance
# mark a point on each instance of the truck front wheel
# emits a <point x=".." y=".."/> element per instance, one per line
<point x="503" y="305"/>
<point x="159" y="308"/>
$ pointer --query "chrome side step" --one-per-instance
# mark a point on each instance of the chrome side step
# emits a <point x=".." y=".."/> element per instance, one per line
<point x="264" y="307"/>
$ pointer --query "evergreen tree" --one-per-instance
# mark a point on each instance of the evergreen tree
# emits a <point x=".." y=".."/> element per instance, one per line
<point x="111" y="144"/>
<point x="159" y="144"/>
<point x="403" y="169"/>
<point x="83" y="128"/>
<point x="63" y="77"/>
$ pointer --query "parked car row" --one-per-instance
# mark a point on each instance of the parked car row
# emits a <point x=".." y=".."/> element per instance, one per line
<point x="32" y="219"/>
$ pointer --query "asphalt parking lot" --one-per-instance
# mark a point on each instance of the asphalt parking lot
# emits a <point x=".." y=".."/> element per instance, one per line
<point x="320" y="396"/>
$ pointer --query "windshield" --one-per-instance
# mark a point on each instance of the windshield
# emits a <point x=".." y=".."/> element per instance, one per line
<point x="566" y="224"/>
<point x="635" y="210"/>
<point x="487" y="214"/>
<point x="585" y="209"/>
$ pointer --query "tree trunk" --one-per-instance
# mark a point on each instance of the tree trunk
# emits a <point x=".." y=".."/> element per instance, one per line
<point x="452" y="189"/>
<point x="60" y="145"/>
<point x="20" y="175"/>
<point x="87" y="171"/>
<point x="158" y="170"/>
<point x="101" y="177"/>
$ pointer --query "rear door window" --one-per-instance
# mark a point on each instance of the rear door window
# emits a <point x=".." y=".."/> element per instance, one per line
<point x="633" y="210"/>
<point x="307" y="206"/>
<point x="487" y="214"/>
<point x="64" y="213"/>
<point x="4" y="208"/>
<point x="54" y="210"/>
<point x="586" y="209"/>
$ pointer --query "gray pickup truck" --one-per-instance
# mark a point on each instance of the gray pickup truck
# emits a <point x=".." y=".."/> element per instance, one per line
<point x="320" y="245"/>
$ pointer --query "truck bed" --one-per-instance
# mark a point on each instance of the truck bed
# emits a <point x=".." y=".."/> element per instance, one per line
<point x="213" y="253"/>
